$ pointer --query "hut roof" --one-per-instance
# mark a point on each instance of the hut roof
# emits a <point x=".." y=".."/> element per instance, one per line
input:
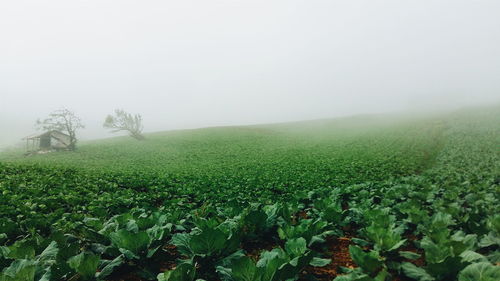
<point x="52" y="132"/>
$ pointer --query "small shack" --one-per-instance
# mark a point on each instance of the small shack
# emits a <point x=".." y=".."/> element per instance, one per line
<point x="50" y="140"/>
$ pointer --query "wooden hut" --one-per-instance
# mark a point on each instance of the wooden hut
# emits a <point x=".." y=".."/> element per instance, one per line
<point x="50" y="140"/>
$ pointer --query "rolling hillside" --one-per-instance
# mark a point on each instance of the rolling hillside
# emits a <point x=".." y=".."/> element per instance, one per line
<point x="388" y="197"/>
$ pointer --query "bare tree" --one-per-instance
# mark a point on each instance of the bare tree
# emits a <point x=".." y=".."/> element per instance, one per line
<point x="123" y="121"/>
<point x="62" y="120"/>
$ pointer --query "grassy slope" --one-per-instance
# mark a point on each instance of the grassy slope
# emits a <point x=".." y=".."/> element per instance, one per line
<point x="453" y="160"/>
<point x="243" y="164"/>
<point x="270" y="160"/>
<point x="219" y="148"/>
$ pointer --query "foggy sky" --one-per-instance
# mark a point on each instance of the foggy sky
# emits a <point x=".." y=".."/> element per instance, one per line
<point x="186" y="63"/>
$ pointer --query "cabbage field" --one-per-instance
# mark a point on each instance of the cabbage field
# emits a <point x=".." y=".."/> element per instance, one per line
<point x="379" y="197"/>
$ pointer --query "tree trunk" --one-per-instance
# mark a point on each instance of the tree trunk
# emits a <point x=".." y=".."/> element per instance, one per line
<point x="137" y="136"/>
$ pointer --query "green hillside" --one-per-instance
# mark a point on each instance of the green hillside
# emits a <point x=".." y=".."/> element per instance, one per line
<point x="427" y="186"/>
<point x="305" y="144"/>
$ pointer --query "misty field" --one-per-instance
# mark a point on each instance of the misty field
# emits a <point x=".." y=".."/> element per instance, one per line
<point x="376" y="197"/>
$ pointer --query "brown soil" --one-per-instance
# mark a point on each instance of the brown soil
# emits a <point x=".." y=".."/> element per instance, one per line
<point x="173" y="256"/>
<point x="345" y="205"/>
<point x="168" y="264"/>
<point x="298" y="216"/>
<point x="338" y="252"/>
<point x="302" y="214"/>
<point x="127" y="277"/>
<point x="254" y="248"/>
<point x="410" y="247"/>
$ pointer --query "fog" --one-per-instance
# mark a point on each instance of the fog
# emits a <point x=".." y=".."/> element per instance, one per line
<point x="188" y="64"/>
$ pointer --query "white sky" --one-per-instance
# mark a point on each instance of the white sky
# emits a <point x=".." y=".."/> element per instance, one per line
<point x="186" y="63"/>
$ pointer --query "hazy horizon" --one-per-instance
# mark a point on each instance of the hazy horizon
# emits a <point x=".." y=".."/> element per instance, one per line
<point x="190" y="64"/>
